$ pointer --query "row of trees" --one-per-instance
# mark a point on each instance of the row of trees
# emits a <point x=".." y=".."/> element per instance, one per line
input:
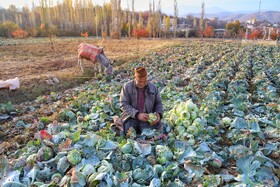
<point x="75" y="17"/>
<point x="236" y="30"/>
<point x="70" y="18"/>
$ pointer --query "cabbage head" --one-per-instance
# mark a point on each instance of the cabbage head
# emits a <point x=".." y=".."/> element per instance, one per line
<point x="164" y="154"/>
<point x="152" y="117"/>
<point x="127" y="148"/>
<point x="74" y="157"/>
<point x="226" y="121"/>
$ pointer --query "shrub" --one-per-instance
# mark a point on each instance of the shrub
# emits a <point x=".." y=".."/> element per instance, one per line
<point x="138" y="33"/>
<point x="7" y="28"/>
<point x="104" y="34"/>
<point x="19" y="33"/>
<point x="32" y="32"/>
<point x="115" y="35"/>
<point x="256" y="34"/>
<point x="274" y="35"/>
<point x="192" y="33"/>
<point x="84" y="34"/>
<point x="181" y="34"/>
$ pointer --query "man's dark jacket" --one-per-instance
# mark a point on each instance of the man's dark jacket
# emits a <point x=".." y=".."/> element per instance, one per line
<point x="128" y="100"/>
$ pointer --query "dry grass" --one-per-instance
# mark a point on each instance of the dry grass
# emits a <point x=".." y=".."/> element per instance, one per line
<point x="34" y="62"/>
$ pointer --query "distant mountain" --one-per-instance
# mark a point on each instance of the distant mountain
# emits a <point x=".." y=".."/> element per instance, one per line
<point x="186" y="10"/>
<point x="211" y="12"/>
<point x="272" y="16"/>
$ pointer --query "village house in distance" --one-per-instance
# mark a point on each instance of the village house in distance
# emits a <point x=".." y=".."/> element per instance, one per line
<point x="251" y="29"/>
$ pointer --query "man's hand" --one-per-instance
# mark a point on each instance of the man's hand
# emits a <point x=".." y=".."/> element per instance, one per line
<point x="143" y="117"/>
<point x="157" y="120"/>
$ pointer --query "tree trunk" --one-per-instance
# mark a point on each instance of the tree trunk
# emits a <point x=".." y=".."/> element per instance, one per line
<point x="201" y="20"/>
<point x="174" y="23"/>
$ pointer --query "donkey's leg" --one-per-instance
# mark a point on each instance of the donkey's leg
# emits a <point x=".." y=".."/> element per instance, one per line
<point x="95" y="68"/>
<point x="98" y="63"/>
<point x="99" y="67"/>
<point x="80" y="63"/>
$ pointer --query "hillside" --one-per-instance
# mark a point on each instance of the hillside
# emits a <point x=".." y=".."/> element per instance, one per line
<point x="272" y="16"/>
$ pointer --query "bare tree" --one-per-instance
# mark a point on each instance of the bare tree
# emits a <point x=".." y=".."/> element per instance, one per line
<point x="166" y="21"/>
<point x="195" y="23"/>
<point x="129" y="20"/>
<point x="107" y="16"/>
<point x="71" y="14"/>
<point x="141" y="20"/>
<point x="174" y="23"/>
<point x="151" y="20"/>
<point x="154" y="21"/>
<point x="25" y="19"/>
<point x="116" y="15"/>
<point x="133" y="15"/>
<point x="201" y="19"/>
<point x="32" y="17"/>
<point x="158" y="19"/>
<point x="105" y="20"/>
<point x="97" y="20"/>
<point x="43" y="12"/>
<point x="78" y="15"/>
<point x="49" y="16"/>
<point x="12" y="11"/>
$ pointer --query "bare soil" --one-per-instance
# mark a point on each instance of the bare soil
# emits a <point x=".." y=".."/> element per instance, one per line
<point x="33" y="60"/>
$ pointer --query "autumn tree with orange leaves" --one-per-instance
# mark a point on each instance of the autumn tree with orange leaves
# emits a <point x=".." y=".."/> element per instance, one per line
<point x="255" y="34"/>
<point x="209" y="32"/>
<point x="274" y="35"/>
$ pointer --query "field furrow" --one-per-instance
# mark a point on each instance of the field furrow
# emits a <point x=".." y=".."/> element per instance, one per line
<point x="221" y="117"/>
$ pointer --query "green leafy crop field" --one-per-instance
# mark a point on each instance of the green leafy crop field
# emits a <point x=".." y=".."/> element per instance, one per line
<point x="221" y="114"/>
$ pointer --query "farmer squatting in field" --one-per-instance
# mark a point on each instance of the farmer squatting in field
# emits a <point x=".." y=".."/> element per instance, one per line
<point x="138" y="99"/>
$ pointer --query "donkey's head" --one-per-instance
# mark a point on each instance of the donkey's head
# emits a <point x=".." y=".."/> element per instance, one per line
<point x="106" y="63"/>
<point x="109" y="70"/>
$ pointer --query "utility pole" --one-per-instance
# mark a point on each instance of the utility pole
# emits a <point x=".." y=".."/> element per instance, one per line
<point x="260" y="9"/>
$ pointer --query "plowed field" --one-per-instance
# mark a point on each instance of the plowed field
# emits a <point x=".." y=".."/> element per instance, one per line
<point x="33" y="60"/>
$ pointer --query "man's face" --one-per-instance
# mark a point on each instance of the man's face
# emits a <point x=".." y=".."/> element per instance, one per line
<point x="141" y="82"/>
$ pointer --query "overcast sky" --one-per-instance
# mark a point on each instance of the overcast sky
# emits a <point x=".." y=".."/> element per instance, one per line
<point x="185" y="6"/>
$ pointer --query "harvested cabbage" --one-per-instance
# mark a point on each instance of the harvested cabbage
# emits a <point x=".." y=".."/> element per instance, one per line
<point x="152" y="117"/>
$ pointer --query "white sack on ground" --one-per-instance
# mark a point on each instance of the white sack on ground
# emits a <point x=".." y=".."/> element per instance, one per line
<point x="12" y="84"/>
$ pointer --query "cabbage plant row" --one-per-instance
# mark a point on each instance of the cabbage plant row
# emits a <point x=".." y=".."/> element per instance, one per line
<point x="221" y="114"/>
